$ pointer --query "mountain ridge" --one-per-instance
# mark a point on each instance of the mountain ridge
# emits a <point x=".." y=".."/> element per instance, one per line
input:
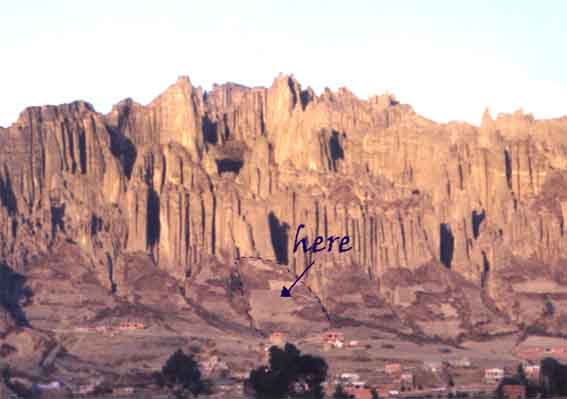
<point x="448" y="221"/>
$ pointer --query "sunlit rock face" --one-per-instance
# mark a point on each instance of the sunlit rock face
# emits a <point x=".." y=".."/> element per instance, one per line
<point x="195" y="176"/>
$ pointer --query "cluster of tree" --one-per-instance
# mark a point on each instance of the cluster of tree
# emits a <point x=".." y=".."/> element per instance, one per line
<point x="532" y="389"/>
<point x="9" y="387"/>
<point x="182" y="376"/>
<point x="553" y="378"/>
<point x="290" y="374"/>
<point x="340" y="393"/>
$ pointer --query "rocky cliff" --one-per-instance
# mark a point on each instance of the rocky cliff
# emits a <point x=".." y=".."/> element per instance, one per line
<point x="452" y="225"/>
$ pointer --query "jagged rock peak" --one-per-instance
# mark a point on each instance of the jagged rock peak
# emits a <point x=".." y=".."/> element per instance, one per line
<point x="127" y="102"/>
<point x="230" y="85"/>
<point x="518" y="115"/>
<point x="181" y="87"/>
<point x="383" y="101"/>
<point x="183" y="80"/>
<point x="47" y="113"/>
<point x="488" y="130"/>
<point x="286" y="82"/>
<point x="486" y="121"/>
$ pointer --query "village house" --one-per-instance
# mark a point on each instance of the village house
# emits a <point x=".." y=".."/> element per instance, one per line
<point x="300" y="386"/>
<point x="54" y="389"/>
<point x="532" y="371"/>
<point x="333" y="340"/>
<point x="112" y="326"/>
<point x="359" y="392"/>
<point x="209" y="365"/>
<point x="102" y="328"/>
<point x="493" y="375"/>
<point x="347" y="378"/>
<point x="278" y="339"/>
<point x="403" y="296"/>
<point x="130" y="325"/>
<point x="387" y="390"/>
<point x="240" y="375"/>
<point x="213" y="365"/>
<point x="460" y="362"/>
<point x="358" y="384"/>
<point x="536" y="348"/>
<point x="513" y="391"/>
<point x="123" y="391"/>
<point x="433" y="366"/>
<point x="406" y="381"/>
<point x="89" y="387"/>
<point x="393" y="368"/>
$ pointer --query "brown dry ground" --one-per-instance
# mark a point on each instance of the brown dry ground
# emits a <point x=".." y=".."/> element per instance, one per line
<point x="229" y="311"/>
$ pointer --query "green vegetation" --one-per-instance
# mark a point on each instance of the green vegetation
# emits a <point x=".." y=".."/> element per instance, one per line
<point x="553" y="378"/>
<point x="290" y="375"/>
<point x="341" y="394"/>
<point x="520" y="378"/>
<point x="181" y="374"/>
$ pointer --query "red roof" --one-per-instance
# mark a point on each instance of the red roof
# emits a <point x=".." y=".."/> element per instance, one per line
<point x="359" y="393"/>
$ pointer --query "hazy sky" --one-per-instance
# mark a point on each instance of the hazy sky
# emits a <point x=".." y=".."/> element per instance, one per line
<point x="449" y="59"/>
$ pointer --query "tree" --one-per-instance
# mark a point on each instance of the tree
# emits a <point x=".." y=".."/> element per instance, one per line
<point x="289" y="374"/>
<point x="181" y="373"/>
<point x="451" y="383"/>
<point x="553" y="377"/>
<point x="522" y="375"/>
<point x="341" y="394"/>
<point x="507" y="381"/>
<point x="549" y="309"/>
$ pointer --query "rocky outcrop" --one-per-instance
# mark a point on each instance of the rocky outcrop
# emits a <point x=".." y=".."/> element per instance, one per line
<point x="198" y="176"/>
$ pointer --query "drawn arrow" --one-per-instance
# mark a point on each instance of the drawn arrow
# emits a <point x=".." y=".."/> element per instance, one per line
<point x="286" y="292"/>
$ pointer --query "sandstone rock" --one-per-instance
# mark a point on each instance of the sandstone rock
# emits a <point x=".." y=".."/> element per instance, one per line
<point x="197" y="177"/>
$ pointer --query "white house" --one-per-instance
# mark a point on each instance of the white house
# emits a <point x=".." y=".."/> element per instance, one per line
<point x="493" y="375"/>
<point x="433" y="366"/>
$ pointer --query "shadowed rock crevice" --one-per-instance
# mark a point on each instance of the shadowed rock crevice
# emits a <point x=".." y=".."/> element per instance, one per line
<point x="279" y="233"/>
<point x="508" y="166"/>
<point x="335" y="149"/>
<point x="121" y="147"/>
<point x="110" y="266"/>
<point x="230" y="156"/>
<point x="14" y="294"/>
<point x="291" y="83"/>
<point x="7" y="195"/>
<point x="485" y="270"/>
<point x="70" y="146"/>
<point x="477" y="219"/>
<point x="57" y="219"/>
<point x="82" y="152"/>
<point x="229" y="165"/>
<point x="446" y="244"/>
<point x="210" y="133"/>
<point x="306" y="97"/>
<point x="96" y="224"/>
<point x="153" y="227"/>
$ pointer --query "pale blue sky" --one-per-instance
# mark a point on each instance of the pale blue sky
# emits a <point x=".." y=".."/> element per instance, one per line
<point x="449" y="59"/>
